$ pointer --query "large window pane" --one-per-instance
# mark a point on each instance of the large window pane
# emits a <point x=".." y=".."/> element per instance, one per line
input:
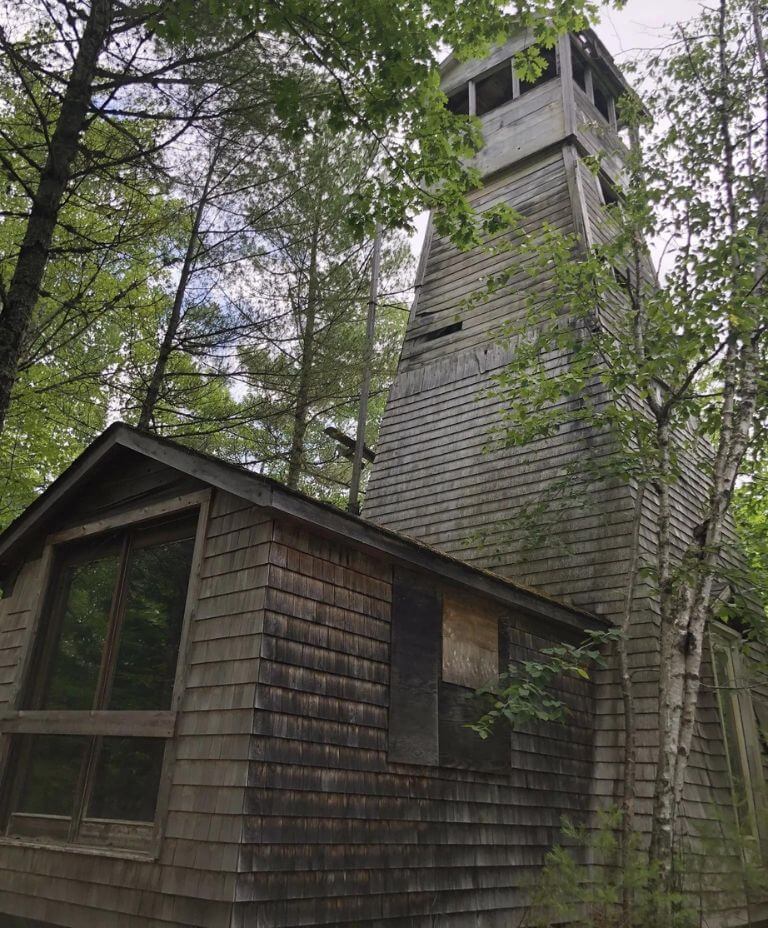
<point x="51" y="775"/>
<point x="149" y="638"/>
<point x="76" y="658"/>
<point x="126" y="779"/>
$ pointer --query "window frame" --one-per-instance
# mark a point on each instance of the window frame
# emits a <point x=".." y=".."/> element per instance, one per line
<point x="517" y="89"/>
<point x="729" y="641"/>
<point x="588" y="91"/>
<point x="32" y="674"/>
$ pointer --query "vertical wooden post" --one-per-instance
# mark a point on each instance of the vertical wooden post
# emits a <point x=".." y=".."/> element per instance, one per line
<point x="365" y="384"/>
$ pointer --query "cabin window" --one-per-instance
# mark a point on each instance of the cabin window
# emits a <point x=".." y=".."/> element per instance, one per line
<point x="740" y="731"/>
<point x="594" y="88"/>
<point x="608" y="193"/>
<point x="494" y="90"/>
<point x="603" y="103"/>
<point x="458" y="102"/>
<point x="107" y="650"/>
<point x="580" y="69"/>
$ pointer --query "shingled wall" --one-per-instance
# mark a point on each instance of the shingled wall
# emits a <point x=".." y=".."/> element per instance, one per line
<point x="334" y="833"/>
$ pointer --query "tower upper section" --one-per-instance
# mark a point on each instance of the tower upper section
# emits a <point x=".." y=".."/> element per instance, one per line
<point x="575" y="97"/>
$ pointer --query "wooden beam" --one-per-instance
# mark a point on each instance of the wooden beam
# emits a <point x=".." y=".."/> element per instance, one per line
<point x="89" y="722"/>
<point x="131" y="516"/>
<point x="41" y="508"/>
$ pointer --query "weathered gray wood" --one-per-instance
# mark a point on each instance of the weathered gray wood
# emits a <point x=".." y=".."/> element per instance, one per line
<point x="103" y="722"/>
<point x="146" y="513"/>
<point x="332" y="823"/>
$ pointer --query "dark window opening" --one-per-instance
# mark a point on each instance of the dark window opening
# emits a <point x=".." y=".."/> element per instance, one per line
<point x="458" y="102"/>
<point x="622" y="278"/>
<point x="602" y="102"/>
<point x="608" y="192"/>
<point x="126" y="780"/>
<point x="110" y="641"/>
<point x="580" y="72"/>
<point x="439" y="333"/>
<point x="494" y="90"/>
<point x="549" y="71"/>
<point x="52" y="765"/>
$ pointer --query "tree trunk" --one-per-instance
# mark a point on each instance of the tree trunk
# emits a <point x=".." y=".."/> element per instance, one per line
<point x="166" y="347"/>
<point x="628" y="703"/>
<point x="24" y="290"/>
<point x="685" y="614"/>
<point x="301" y="409"/>
<point x="663" y="811"/>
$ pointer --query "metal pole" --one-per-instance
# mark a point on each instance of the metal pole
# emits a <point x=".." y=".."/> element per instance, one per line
<point x="365" y="384"/>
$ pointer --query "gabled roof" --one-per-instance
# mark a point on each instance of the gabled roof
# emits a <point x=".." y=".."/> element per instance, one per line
<point x="279" y="500"/>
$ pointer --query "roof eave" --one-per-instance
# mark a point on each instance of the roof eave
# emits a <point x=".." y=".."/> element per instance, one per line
<point x="278" y="499"/>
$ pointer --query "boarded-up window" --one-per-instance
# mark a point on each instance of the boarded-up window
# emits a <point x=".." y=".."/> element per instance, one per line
<point x="431" y="703"/>
<point x="470" y="642"/>
<point x="415" y="665"/>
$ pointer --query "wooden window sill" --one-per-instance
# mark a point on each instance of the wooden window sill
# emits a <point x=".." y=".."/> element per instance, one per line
<point x="70" y="848"/>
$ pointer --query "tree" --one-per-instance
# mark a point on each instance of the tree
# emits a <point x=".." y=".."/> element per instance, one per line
<point x="19" y="301"/>
<point x="98" y="294"/>
<point x="308" y="355"/>
<point x="668" y="366"/>
<point x="86" y="72"/>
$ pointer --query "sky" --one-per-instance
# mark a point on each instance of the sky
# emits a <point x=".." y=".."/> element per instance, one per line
<point x="641" y="24"/>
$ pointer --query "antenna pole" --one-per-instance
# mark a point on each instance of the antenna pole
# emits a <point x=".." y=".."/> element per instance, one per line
<point x="365" y="384"/>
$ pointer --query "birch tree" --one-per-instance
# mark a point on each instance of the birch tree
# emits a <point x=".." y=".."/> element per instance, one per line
<point x="679" y="351"/>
